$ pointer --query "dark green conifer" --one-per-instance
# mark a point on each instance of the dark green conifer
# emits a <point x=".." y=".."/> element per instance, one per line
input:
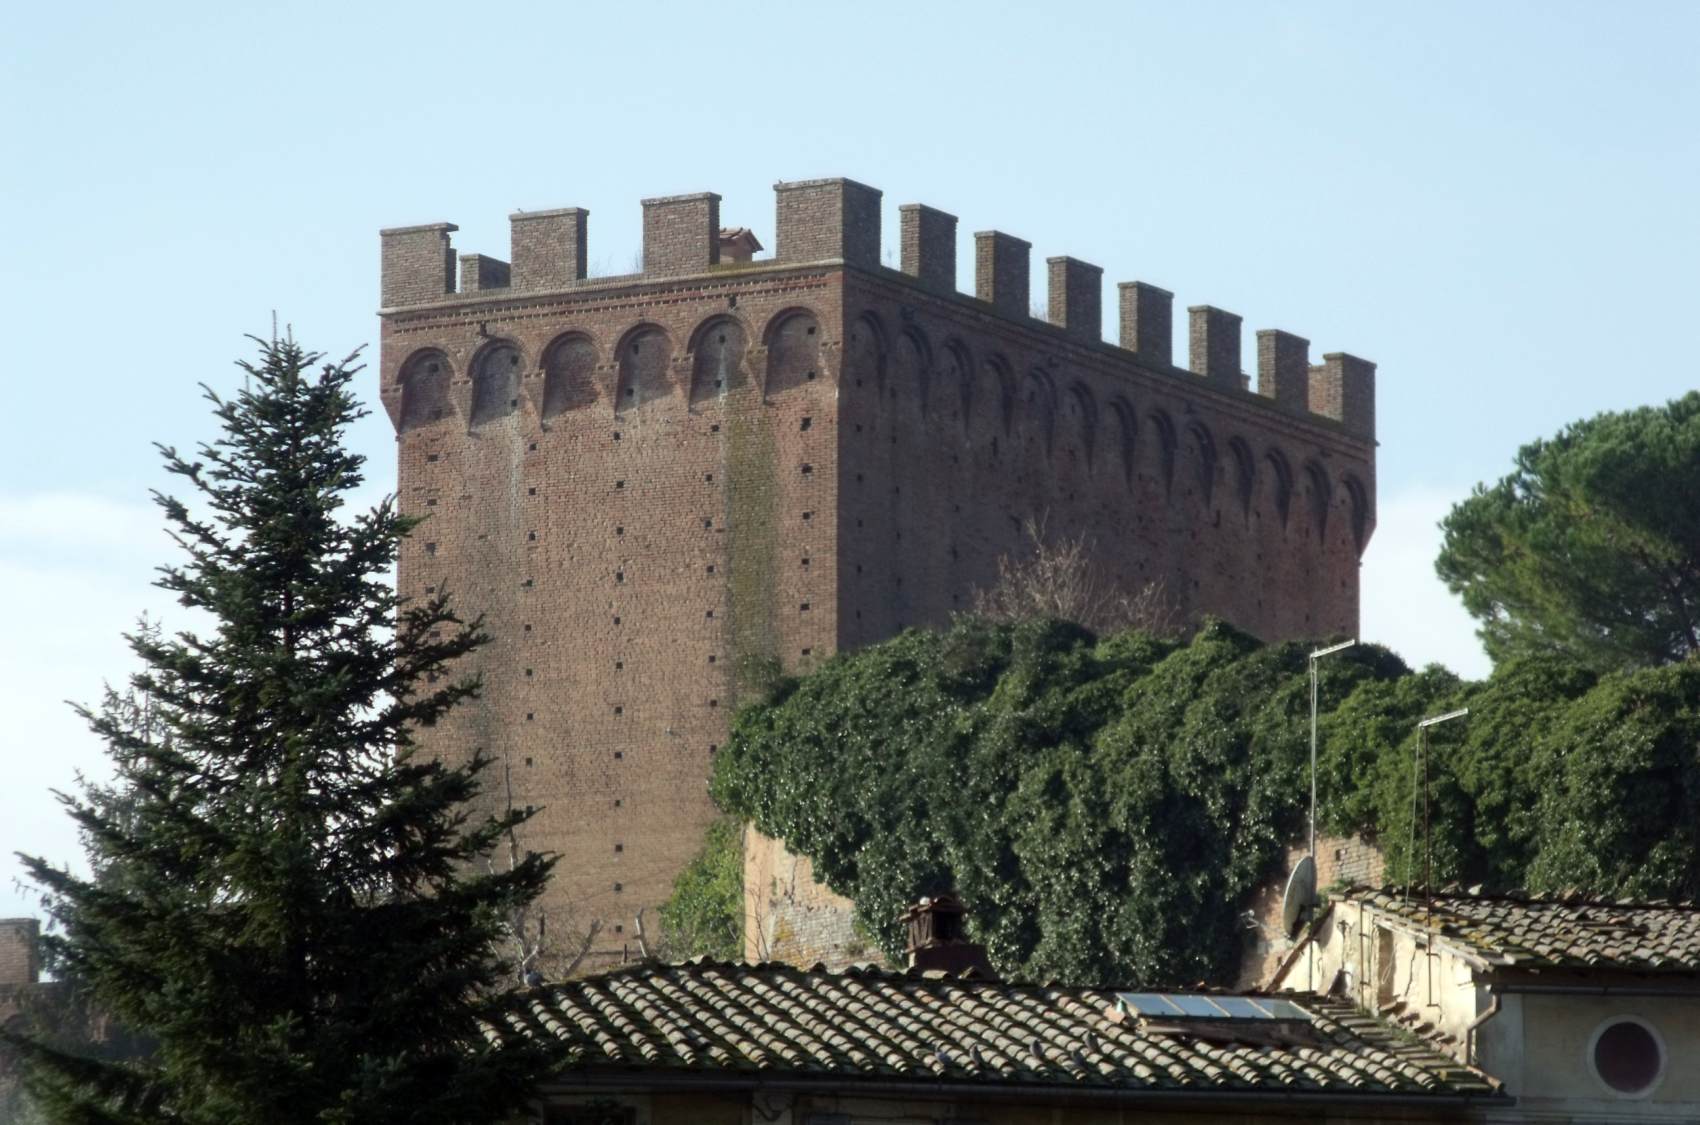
<point x="288" y="903"/>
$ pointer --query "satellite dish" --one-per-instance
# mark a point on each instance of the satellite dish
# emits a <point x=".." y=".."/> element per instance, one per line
<point x="1300" y="893"/>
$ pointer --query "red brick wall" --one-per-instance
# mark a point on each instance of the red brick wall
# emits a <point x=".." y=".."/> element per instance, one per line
<point x="980" y="424"/>
<point x="631" y="554"/>
<point x="651" y="486"/>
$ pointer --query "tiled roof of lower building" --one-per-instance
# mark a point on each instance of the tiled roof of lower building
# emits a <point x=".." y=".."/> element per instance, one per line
<point x="1526" y="932"/>
<point x="771" y="1022"/>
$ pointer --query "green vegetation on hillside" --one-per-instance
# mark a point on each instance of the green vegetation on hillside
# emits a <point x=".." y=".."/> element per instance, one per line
<point x="1104" y="804"/>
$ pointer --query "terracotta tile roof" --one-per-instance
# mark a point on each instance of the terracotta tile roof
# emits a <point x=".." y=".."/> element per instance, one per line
<point x="776" y="1022"/>
<point x="1526" y="932"/>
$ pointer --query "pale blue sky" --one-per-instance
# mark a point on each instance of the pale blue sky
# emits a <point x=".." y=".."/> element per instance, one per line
<point x="1496" y="203"/>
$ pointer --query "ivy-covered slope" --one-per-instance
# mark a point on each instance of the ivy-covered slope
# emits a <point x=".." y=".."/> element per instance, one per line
<point x="1105" y="804"/>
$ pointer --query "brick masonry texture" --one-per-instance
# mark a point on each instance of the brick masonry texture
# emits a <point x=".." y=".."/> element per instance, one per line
<point x="20" y="961"/>
<point x="791" y="917"/>
<point x="661" y="486"/>
<point x="1341" y="861"/>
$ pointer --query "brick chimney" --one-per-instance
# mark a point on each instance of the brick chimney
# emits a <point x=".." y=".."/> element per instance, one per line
<point x="936" y="938"/>
<point x="20" y="951"/>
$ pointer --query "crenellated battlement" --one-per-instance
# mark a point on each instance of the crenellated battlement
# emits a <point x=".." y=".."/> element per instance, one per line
<point x="837" y="221"/>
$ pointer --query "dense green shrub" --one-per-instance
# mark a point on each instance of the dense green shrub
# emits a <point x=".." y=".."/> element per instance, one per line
<point x="1104" y="805"/>
<point x="705" y="913"/>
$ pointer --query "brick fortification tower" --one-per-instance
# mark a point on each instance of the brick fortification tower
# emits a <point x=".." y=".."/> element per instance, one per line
<point x="658" y="484"/>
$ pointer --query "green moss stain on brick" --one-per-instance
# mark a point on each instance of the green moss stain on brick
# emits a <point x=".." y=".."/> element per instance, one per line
<point x="752" y="547"/>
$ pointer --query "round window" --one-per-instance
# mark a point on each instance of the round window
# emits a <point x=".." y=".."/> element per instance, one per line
<point x="1627" y="1056"/>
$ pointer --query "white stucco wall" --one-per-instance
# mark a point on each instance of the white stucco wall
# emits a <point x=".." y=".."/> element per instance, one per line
<point x="1541" y="1051"/>
<point x="1538" y="1044"/>
<point x="1389" y="971"/>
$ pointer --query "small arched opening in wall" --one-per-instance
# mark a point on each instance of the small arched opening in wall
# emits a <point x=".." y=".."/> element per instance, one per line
<point x="1358" y="496"/>
<point x="1082" y="420"/>
<point x="914" y="368"/>
<point x="1280" y="485"/>
<point x="1127" y="433"/>
<point x="569" y="374"/>
<point x="1036" y="413"/>
<point x="645" y="355"/>
<point x="957" y="378"/>
<point x="1203" y="460"/>
<point x="1003" y="385"/>
<point x="1319" y="494"/>
<point x="1164" y="427"/>
<point x="424" y="389"/>
<point x="793" y="351"/>
<point x="718" y="347"/>
<point x="1245" y="473"/>
<point x="865" y="353"/>
<point x="495" y="383"/>
<point x="1627" y="1057"/>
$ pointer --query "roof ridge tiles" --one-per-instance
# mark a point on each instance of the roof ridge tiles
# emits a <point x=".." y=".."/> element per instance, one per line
<point x="1570" y="897"/>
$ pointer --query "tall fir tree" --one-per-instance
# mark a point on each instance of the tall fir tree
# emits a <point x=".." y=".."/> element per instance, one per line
<point x="290" y="903"/>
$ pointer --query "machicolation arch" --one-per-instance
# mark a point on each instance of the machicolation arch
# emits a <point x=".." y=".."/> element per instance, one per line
<point x="1280" y="485"/>
<point x="1037" y="411"/>
<point x="569" y="374"/>
<point x="424" y="389"/>
<point x="718" y="349"/>
<point x="496" y="376"/>
<point x="865" y="350"/>
<point x="912" y="367"/>
<point x="1359" y="499"/>
<point x="793" y="351"/>
<point x="1204" y="461"/>
<point x="645" y="361"/>
<point x="1319" y="492"/>
<point x="957" y="376"/>
<point x="1245" y="473"/>
<point x="1163" y="428"/>
<point x="1081" y="415"/>
<point x="1127" y="432"/>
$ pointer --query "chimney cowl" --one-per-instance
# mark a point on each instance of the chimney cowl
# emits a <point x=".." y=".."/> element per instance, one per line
<point x="936" y="938"/>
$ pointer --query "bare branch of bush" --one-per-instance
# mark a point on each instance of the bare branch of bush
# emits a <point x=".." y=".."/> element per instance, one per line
<point x="535" y="935"/>
<point x="1055" y="577"/>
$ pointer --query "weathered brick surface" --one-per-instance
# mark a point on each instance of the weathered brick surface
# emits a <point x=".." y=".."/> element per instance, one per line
<point x="681" y="234"/>
<point x="1283" y="369"/>
<point x="927" y="245"/>
<point x="1213" y="338"/>
<point x="790" y="917"/>
<point x="418" y="264"/>
<point x="20" y="960"/>
<point x="548" y="248"/>
<point x="1340" y="861"/>
<point x="654" y="485"/>
<point x="1076" y="297"/>
<point x="825" y="220"/>
<point x="1147" y="326"/>
<point x="1001" y="266"/>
